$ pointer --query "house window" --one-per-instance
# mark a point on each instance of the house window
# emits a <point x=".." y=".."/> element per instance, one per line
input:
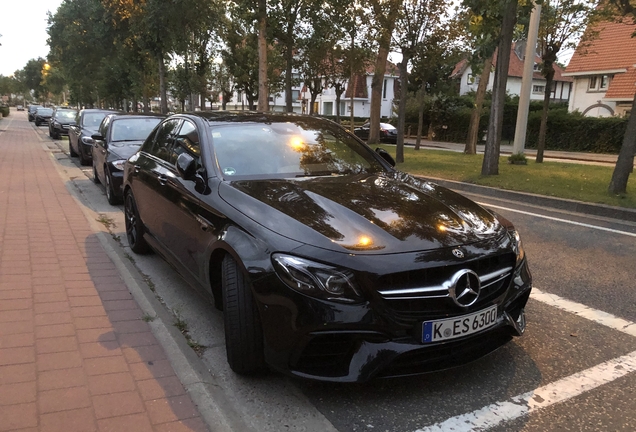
<point x="599" y="83"/>
<point x="538" y="89"/>
<point x="472" y="79"/>
<point x="384" y="90"/>
<point x="537" y="67"/>
<point x="295" y="95"/>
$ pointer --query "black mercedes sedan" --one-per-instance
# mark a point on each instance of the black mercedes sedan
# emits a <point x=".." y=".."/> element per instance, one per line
<point x="60" y="122"/>
<point x="80" y="141"/>
<point x="31" y="111"/>
<point x="42" y="115"/>
<point x="118" y="137"/>
<point x="327" y="262"/>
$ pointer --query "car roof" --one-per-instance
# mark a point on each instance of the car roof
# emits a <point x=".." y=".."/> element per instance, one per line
<point x="136" y="115"/>
<point x="240" y="116"/>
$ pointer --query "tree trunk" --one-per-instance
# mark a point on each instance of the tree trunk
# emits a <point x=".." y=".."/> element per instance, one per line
<point x="162" y="85"/>
<point x="289" y="57"/>
<point x="625" y="162"/>
<point x="475" y="115"/>
<point x="376" y="95"/>
<point x="263" y="85"/>
<point x="490" y="165"/>
<point x="420" y="120"/>
<point x="399" y="151"/>
<point x="544" y="116"/>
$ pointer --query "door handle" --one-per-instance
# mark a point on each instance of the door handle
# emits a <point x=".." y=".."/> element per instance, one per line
<point x="163" y="179"/>
<point x="137" y="169"/>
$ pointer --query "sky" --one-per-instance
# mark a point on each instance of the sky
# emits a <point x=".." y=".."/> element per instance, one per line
<point x="23" y="29"/>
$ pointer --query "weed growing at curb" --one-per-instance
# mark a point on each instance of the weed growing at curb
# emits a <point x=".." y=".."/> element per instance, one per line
<point x="180" y="323"/>
<point x="109" y="223"/>
<point x="148" y="318"/>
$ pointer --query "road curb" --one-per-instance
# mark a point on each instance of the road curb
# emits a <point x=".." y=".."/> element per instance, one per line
<point x="574" y="206"/>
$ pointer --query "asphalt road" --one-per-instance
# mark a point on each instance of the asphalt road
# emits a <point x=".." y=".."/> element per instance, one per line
<point x="573" y="370"/>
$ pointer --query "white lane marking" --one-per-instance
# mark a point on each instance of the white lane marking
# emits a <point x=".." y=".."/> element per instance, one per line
<point x="527" y="403"/>
<point x="558" y="391"/>
<point x="586" y="312"/>
<point x="560" y="220"/>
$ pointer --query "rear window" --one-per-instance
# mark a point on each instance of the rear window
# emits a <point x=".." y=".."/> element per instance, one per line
<point x="132" y="129"/>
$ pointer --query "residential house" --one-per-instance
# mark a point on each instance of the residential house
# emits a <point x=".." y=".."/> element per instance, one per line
<point x="326" y="101"/>
<point x="604" y="71"/>
<point x="560" y="87"/>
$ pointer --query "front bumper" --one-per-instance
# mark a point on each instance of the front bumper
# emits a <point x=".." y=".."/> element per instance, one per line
<point x="328" y="341"/>
<point x="61" y="130"/>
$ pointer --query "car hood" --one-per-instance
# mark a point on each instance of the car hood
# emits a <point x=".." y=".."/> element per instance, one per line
<point x="366" y="214"/>
<point x="124" y="149"/>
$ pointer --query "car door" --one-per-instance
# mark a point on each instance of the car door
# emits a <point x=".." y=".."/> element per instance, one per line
<point x="182" y="224"/>
<point x="73" y="131"/>
<point x="150" y="174"/>
<point x="100" y="149"/>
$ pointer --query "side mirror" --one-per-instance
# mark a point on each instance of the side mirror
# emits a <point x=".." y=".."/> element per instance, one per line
<point x="186" y="166"/>
<point x="386" y="156"/>
<point x="97" y="137"/>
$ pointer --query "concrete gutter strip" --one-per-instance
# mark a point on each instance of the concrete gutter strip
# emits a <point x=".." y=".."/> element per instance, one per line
<point x="541" y="200"/>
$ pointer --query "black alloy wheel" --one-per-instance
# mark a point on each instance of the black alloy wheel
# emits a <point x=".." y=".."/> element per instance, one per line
<point x="111" y="196"/>
<point x="243" y="330"/>
<point x="134" y="227"/>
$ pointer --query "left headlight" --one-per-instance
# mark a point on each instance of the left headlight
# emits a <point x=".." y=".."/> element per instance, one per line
<point x="119" y="164"/>
<point x="317" y="280"/>
<point x="517" y="246"/>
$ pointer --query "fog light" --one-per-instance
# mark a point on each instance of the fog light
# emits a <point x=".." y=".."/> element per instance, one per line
<point x="521" y="321"/>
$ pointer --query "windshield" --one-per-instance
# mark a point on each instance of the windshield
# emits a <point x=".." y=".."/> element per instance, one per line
<point x="289" y="149"/>
<point x="66" y="115"/>
<point x="132" y="129"/>
<point x="44" y="111"/>
<point x="93" y="120"/>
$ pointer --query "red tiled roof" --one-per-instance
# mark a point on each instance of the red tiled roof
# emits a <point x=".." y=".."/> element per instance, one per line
<point x="622" y="86"/>
<point x="613" y="48"/>
<point x="359" y="86"/>
<point x="515" y="68"/>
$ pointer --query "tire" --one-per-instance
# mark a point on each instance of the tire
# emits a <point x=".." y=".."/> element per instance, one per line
<point x="134" y="227"/>
<point x="71" y="151"/>
<point x="243" y="329"/>
<point x="95" y="177"/>
<point x="37" y="123"/>
<point x="82" y="157"/>
<point x="112" y="198"/>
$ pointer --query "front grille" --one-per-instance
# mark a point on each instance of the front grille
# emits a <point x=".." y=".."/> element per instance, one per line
<point x="423" y="294"/>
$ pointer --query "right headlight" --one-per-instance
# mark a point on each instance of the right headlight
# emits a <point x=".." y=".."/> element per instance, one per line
<point x="317" y="280"/>
<point x="517" y="246"/>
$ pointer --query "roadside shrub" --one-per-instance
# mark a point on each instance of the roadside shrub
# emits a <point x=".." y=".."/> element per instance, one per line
<point x="4" y="111"/>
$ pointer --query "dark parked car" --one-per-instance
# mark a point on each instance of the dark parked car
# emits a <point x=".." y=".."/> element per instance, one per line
<point x="31" y="111"/>
<point x="60" y="122"/>
<point x="86" y="124"/>
<point x="42" y="115"/>
<point x="388" y="132"/>
<point x="118" y="137"/>
<point x="327" y="262"/>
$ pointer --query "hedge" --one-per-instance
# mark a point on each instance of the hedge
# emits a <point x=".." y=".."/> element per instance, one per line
<point x="565" y="131"/>
<point x="4" y="111"/>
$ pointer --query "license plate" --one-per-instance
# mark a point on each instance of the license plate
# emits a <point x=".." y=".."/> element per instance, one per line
<point x="451" y="328"/>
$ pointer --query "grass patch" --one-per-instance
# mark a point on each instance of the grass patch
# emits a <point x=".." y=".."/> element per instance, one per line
<point x="180" y="323"/>
<point x="575" y="181"/>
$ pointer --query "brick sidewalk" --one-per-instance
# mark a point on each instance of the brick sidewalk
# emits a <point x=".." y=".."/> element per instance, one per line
<point x="75" y="353"/>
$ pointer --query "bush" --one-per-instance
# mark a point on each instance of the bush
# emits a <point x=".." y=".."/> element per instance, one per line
<point x="4" y="111"/>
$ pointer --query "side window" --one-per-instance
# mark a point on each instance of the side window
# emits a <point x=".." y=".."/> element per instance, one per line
<point x="161" y="145"/>
<point x="103" y="128"/>
<point x="187" y="140"/>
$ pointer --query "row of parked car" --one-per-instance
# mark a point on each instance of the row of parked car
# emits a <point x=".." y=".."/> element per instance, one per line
<point x="327" y="262"/>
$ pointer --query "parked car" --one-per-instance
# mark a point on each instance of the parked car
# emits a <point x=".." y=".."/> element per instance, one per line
<point x="31" y="111"/>
<point x="86" y="124"/>
<point x="60" y="122"/>
<point x="327" y="262"/>
<point x="118" y="137"/>
<point x="388" y="132"/>
<point x="42" y="115"/>
<point x="19" y="108"/>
